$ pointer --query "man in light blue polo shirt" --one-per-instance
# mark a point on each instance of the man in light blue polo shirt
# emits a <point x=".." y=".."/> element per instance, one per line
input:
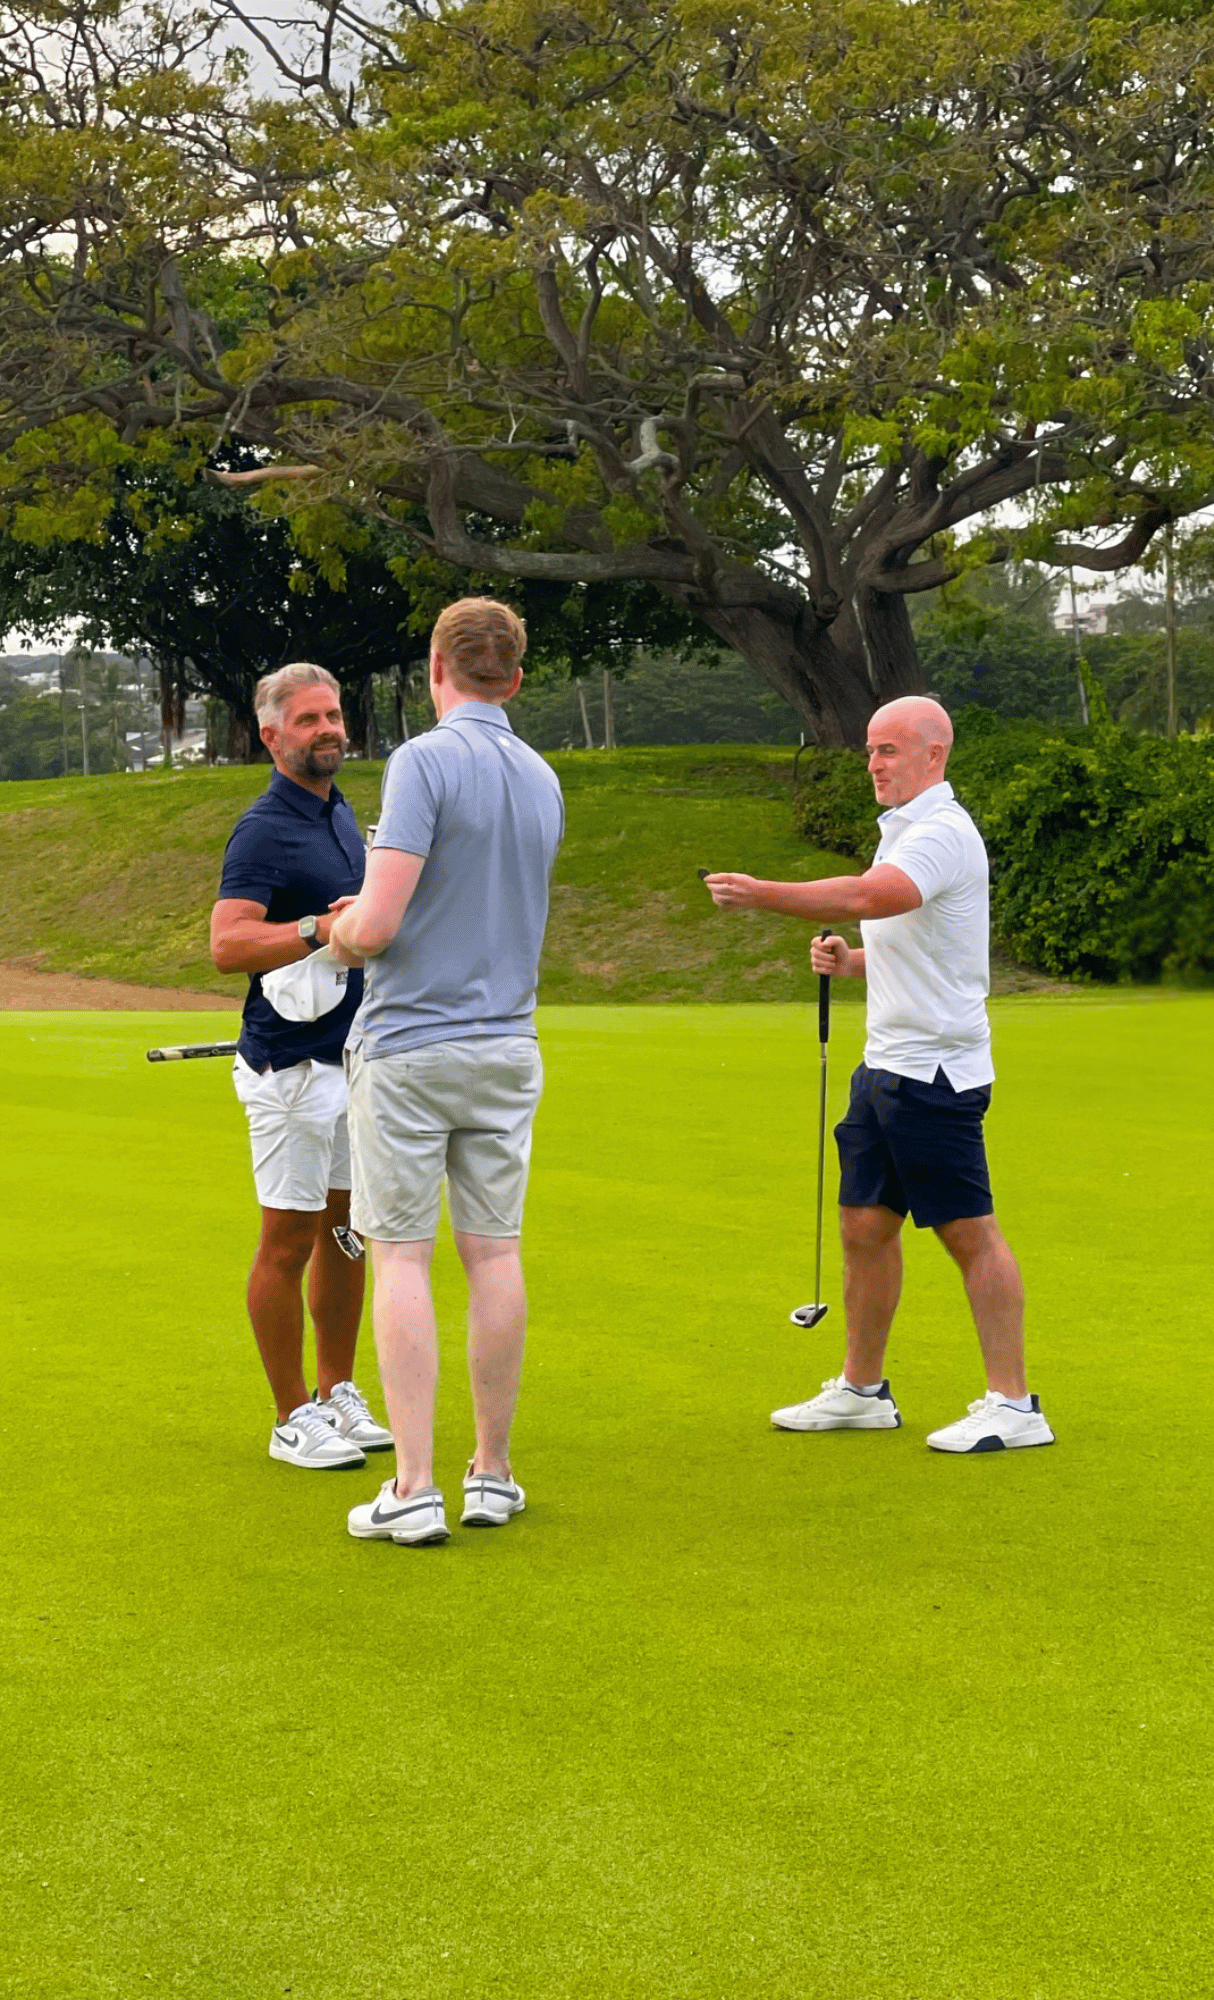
<point x="444" y="1066"/>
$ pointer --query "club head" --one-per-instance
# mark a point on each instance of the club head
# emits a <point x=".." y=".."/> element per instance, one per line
<point x="807" y="1316"/>
<point x="349" y="1243"/>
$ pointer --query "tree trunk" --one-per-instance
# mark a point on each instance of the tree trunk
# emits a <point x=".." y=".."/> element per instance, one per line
<point x="358" y="707"/>
<point x="581" y="696"/>
<point x="1173" y="724"/>
<point x="244" y="742"/>
<point x="219" y="726"/>
<point x="608" y="712"/>
<point x="833" y="676"/>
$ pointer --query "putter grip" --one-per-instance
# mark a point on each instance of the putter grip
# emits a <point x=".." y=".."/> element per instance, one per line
<point x="824" y="1003"/>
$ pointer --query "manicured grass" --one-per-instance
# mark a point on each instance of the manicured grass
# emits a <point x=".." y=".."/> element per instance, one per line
<point x="725" y="1713"/>
<point x="115" y="876"/>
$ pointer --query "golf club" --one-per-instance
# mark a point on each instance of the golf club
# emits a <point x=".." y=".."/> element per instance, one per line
<point x="192" y="1051"/>
<point x="349" y="1242"/>
<point x="809" y="1315"/>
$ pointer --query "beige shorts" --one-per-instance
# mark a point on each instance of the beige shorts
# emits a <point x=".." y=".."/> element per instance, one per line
<point x="463" y="1109"/>
<point x="297" y="1128"/>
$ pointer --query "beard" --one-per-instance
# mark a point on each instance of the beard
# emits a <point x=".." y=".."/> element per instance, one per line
<point x="319" y="760"/>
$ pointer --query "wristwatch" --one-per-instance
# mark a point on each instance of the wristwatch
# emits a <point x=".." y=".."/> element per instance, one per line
<point x="307" y="931"/>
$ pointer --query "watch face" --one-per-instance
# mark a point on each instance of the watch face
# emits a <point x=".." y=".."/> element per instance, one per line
<point x="307" y="927"/>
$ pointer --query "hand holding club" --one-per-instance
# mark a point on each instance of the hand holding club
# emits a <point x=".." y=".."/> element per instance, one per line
<point x="830" y="955"/>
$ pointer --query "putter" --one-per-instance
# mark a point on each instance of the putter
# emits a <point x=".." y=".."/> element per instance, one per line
<point x="809" y="1315"/>
<point x="192" y="1051"/>
<point x="349" y="1243"/>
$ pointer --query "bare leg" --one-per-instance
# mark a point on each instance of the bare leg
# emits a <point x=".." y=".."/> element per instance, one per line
<point x="872" y="1286"/>
<point x="335" y="1297"/>
<point x="276" y="1301"/>
<point x="406" y="1339"/>
<point x="995" y="1290"/>
<point x="497" y="1333"/>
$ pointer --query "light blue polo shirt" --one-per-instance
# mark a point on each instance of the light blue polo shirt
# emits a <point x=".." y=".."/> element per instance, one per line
<point x="488" y="815"/>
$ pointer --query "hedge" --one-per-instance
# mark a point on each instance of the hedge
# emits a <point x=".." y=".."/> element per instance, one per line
<point x="1101" y="841"/>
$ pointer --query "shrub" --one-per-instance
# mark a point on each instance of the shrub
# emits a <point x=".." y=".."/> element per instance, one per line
<point x="1102" y="862"/>
<point x="1101" y="842"/>
<point x="833" y="805"/>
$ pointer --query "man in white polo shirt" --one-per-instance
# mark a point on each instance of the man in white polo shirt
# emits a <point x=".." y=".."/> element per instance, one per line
<point x="911" y="1141"/>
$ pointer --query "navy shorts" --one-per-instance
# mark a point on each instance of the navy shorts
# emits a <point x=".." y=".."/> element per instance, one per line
<point x="914" y="1146"/>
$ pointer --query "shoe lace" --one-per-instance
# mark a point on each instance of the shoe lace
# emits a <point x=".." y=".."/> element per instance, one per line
<point x="349" y="1400"/>
<point x="310" y="1418"/>
<point x="978" y="1412"/>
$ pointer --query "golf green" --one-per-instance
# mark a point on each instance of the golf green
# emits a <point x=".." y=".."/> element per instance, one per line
<point x="727" y="1712"/>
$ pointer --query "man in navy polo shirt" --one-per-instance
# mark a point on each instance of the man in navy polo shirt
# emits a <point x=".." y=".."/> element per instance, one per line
<point x="295" y="857"/>
<point x="912" y="1140"/>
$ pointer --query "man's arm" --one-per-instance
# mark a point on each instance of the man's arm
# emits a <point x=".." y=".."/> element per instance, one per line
<point x="242" y="940"/>
<point x="372" y="920"/>
<point x="883" y="891"/>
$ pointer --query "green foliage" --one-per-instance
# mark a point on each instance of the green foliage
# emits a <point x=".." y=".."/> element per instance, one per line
<point x="32" y="738"/>
<point x="1102" y="856"/>
<point x="668" y="291"/>
<point x="660" y="700"/>
<point x="40" y="732"/>
<point x="834" y="805"/>
<point x="1101" y="842"/>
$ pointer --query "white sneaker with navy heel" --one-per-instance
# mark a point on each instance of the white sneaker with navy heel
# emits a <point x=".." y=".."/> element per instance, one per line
<point x="994" y="1424"/>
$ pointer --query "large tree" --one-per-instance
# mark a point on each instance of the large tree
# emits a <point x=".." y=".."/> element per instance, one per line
<point x="769" y="308"/>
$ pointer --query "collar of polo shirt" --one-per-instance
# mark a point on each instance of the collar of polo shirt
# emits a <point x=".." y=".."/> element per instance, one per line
<point x="927" y="801"/>
<point x="478" y="711"/>
<point x="309" y="803"/>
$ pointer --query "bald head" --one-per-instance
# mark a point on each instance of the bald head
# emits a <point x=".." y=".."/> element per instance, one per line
<point x="908" y="745"/>
<point x="914" y="712"/>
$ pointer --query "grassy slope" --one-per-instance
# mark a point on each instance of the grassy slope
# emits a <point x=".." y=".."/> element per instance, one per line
<point x="726" y="1713"/>
<point x="116" y="876"/>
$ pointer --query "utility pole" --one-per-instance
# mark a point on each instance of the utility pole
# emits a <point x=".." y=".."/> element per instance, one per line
<point x="84" y="721"/>
<point x="1075" y="647"/>
<point x="608" y="713"/>
<point x="1170" y="626"/>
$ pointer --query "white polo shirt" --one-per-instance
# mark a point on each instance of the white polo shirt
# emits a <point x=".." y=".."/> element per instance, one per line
<point x="929" y="971"/>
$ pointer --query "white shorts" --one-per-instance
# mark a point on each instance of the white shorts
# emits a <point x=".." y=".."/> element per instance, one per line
<point x="459" y="1109"/>
<point x="297" y="1126"/>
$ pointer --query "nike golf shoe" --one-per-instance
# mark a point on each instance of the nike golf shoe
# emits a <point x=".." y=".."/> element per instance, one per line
<point x="307" y="1438"/>
<point x="490" y="1502"/>
<point x="345" y="1406"/>
<point x="417" y="1519"/>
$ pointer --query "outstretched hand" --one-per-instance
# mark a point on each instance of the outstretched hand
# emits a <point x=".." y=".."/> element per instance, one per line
<point x="733" y="892"/>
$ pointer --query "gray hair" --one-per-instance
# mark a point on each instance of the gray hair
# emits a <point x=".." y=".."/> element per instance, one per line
<point x="274" y="691"/>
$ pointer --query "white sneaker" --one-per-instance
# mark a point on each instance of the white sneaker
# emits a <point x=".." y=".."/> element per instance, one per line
<point x="388" y="1518"/>
<point x="347" y="1411"/>
<point x="490" y="1502"/>
<point x="839" y="1407"/>
<point x="307" y="1438"/>
<point x="994" y="1425"/>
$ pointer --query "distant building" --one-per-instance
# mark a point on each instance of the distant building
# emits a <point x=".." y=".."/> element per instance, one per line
<point x="1091" y="619"/>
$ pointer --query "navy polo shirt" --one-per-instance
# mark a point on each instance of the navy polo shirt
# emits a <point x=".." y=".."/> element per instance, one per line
<point x="296" y="853"/>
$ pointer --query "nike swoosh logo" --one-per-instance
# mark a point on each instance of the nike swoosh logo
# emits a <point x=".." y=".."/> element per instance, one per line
<point x="382" y="1520"/>
<point x="288" y="1437"/>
